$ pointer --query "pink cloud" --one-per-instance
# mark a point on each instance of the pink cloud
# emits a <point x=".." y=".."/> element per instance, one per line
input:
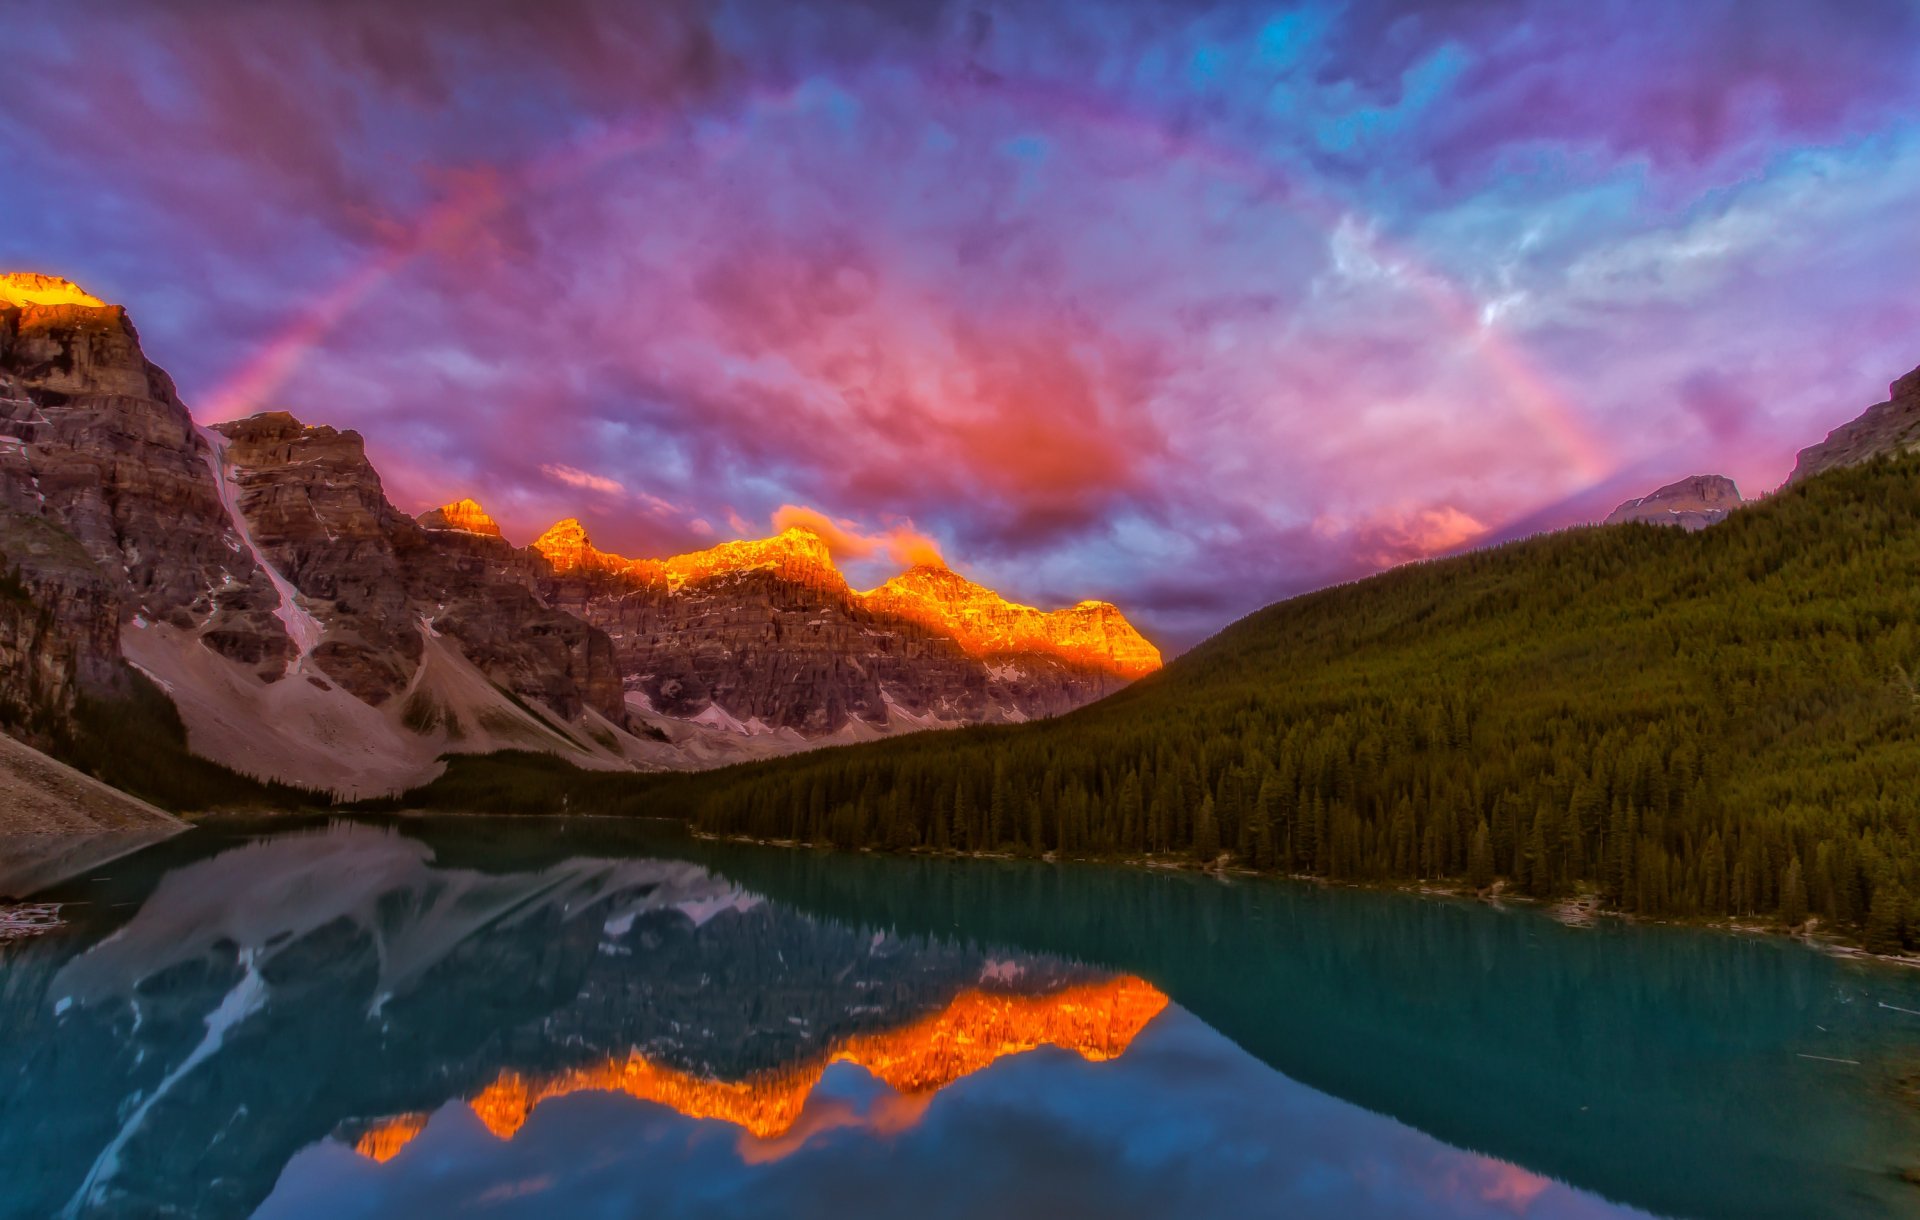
<point x="902" y="544"/>
<point x="598" y="484"/>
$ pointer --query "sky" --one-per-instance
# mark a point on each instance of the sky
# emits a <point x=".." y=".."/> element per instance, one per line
<point x="1189" y="306"/>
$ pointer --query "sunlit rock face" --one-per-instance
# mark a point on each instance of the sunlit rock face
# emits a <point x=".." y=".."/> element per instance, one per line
<point x="766" y="635"/>
<point x="1093" y="634"/>
<point x="1692" y="504"/>
<point x="463" y="515"/>
<point x="29" y="288"/>
<point x="1892" y="426"/>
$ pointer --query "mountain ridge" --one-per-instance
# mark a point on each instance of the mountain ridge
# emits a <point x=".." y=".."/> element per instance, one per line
<point x="310" y="631"/>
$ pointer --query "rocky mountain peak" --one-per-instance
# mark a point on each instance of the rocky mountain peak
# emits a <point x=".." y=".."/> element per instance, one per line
<point x="796" y="554"/>
<point x="65" y="342"/>
<point x="31" y="288"/>
<point x="1692" y="503"/>
<point x="464" y="515"/>
<point x="1092" y="634"/>
<point x="562" y="540"/>
<point x="1892" y="426"/>
<point x="567" y="548"/>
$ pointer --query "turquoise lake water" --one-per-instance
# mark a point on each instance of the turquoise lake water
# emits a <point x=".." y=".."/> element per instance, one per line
<point x="537" y="1018"/>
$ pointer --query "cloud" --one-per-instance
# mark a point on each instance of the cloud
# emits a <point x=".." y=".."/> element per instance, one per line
<point x="902" y="543"/>
<point x="1187" y="306"/>
<point x="598" y="484"/>
<point x="1400" y="537"/>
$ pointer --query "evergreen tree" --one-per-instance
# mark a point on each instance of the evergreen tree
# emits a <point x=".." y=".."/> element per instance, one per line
<point x="1206" y="834"/>
<point x="1000" y="815"/>
<point x="1793" y="896"/>
<point x="1480" y="858"/>
<point x="1884" y="912"/>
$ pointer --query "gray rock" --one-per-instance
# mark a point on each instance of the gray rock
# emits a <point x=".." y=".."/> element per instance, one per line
<point x="1692" y="503"/>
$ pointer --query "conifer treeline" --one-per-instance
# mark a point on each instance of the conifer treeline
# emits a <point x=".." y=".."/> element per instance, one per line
<point x="1721" y="723"/>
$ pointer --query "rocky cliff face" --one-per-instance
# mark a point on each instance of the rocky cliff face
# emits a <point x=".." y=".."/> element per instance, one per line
<point x="1691" y="504"/>
<point x="377" y="584"/>
<point x="59" y="628"/>
<point x="1889" y="427"/>
<point x="765" y="636"/>
<point x="94" y="441"/>
<point x="307" y="628"/>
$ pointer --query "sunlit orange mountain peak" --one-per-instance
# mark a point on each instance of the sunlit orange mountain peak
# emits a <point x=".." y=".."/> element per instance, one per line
<point x="31" y="288"/>
<point x="794" y="554"/>
<point x="1092" y="633"/>
<point x="464" y="515"/>
<point x="1097" y="1021"/>
<point x="566" y="546"/>
<point x="1091" y="636"/>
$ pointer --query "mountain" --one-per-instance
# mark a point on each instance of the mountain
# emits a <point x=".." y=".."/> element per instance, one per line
<point x="1885" y="428"/>
<point x="764" y="640"/>
<point x="307" y="630"/>
<point x="1692" y="504"/>
<point x="1723" y="722"/>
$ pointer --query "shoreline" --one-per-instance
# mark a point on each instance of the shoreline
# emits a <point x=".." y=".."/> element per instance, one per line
<point x="1582" y="910"/>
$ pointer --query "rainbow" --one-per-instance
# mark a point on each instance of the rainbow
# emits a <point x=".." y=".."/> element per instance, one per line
<point x="1545" y="409"/>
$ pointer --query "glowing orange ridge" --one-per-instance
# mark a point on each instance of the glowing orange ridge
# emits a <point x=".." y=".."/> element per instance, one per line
<point x="1098" y="1021"/>
<point x="27" y="288"/>
<point x="1093" y="633"/>
<point x="461" y="515"/>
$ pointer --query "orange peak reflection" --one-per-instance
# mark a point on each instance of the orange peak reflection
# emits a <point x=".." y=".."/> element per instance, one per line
<point x="383" y="1142"/>
<point x="1098" y="1021"/>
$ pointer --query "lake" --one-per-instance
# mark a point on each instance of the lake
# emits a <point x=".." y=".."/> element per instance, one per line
<point x="581" y="1017"/>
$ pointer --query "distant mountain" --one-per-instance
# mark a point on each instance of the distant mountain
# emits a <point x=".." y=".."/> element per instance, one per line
<point x="1882" y="430"/>
<point x="308" y="630"/>
<point x="1695" y="503"/>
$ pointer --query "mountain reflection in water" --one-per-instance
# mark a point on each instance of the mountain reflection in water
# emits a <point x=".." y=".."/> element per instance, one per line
<point x="1096" y="1020"/>
<point x="531" y="1018"/>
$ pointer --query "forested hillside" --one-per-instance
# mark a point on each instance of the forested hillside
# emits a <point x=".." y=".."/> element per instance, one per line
<point x="1720" y="723"/>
